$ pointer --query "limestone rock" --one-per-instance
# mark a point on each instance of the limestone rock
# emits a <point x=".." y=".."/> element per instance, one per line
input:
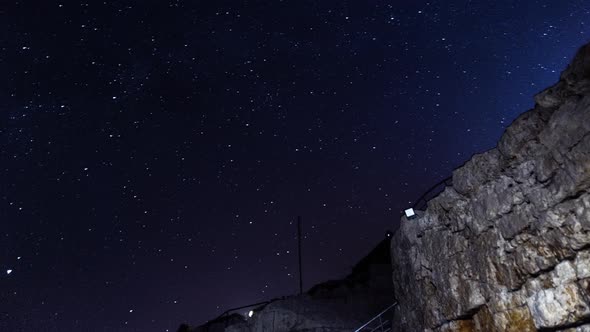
<point x="507" y="248"/>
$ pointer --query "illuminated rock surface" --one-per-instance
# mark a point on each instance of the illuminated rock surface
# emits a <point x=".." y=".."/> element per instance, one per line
<point x="507" y="248"/>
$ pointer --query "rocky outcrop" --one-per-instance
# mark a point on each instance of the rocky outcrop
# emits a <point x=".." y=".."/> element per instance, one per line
<point x="333" y="306"/>
<point x="305" y="314"/>
<point x="507" y="247"/>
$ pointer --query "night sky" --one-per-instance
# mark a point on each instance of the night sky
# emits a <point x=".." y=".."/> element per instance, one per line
<point x="155" y="154"/>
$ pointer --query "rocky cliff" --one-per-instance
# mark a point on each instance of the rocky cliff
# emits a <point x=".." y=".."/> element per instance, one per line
<point x="507" y="247"/>
<point x="333" y="306"/>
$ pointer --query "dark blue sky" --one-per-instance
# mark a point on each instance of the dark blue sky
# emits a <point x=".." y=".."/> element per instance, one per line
<point x="154" y="154"/>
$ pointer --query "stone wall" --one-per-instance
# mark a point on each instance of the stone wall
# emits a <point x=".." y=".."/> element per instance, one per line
<point x="507" y="248"/>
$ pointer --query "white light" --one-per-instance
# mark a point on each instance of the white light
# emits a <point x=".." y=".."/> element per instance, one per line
<point x="251" y="313"/>
<point x="410" y="213"/>
<point x="8" y="271"/>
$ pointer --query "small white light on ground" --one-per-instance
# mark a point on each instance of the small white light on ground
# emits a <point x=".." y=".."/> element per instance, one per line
<point x="410" y="213"/>
<point x="8" y="271"/>
<point x="251" y="313"/>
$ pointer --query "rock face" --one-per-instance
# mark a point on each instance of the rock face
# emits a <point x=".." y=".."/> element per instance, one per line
<point x="507" y="247"/>
<point x="333" y="306"/>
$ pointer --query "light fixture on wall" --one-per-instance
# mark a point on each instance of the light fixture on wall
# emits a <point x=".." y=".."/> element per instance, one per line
<point x="410" y="214"/>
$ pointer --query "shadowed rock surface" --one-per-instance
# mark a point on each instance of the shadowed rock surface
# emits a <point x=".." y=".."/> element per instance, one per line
<point x="507" y="248"/>
<point x="332" y="306"/>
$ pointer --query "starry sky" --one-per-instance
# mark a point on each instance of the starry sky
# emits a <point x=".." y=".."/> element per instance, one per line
<point x="155" y="154"/>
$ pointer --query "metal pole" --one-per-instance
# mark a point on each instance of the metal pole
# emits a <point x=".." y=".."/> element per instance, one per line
<point x="299" y="250"/>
